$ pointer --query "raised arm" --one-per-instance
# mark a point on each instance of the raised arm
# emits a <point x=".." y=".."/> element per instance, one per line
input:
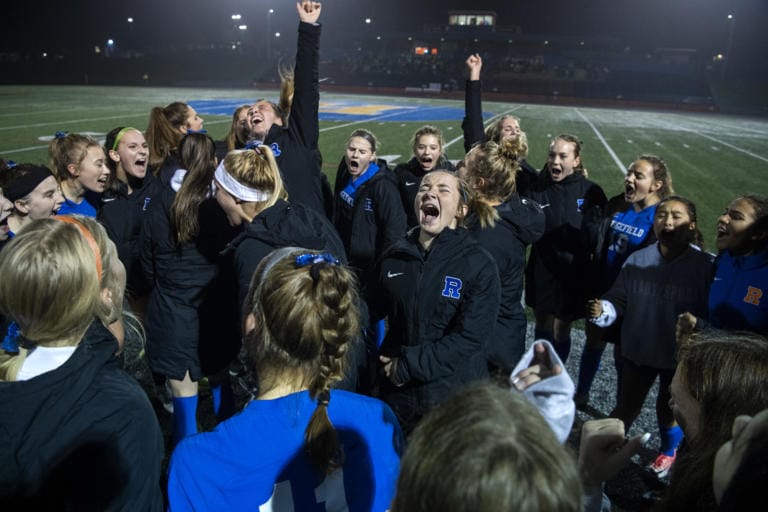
<point x="306" y="99"/>
<point x="472" y="125"/>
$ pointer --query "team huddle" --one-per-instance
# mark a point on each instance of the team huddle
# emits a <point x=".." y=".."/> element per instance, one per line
<point x="375" y="321"/>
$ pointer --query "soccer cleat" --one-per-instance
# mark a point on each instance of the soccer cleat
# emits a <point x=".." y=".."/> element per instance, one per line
<point x="661" y="466"/>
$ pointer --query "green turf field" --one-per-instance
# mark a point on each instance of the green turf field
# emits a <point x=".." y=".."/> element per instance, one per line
<point x="713" y="158"/>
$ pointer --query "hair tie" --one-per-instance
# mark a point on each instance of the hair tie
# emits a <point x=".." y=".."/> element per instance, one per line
<point x="60" y="134"/>
<point x="11" y="341"/>
<point x="312" y="258"/>
<point x="190" y="131"/>
<point x="324" y="398"/>
<point x="253" y="145"/>
<point x="88" y="238"/>
<point x="120" y="136"/>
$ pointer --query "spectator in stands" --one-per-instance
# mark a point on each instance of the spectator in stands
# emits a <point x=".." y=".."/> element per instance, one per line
<point x="559" y="273"/>
<point x="300" y="445"/>
<point x="81" y="168"/>
<point x="78" y="432"/>
<point x="738" y="296"/>
<point x="427" y="144"/>
<point x="505" y="126"/>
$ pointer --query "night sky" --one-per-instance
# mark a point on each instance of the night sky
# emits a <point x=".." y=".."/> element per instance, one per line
<point x="700" y="24"/>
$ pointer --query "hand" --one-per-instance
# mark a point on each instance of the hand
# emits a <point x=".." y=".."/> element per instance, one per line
<point x="309" y="12"/>
<point x="684" y="327"/>
<point x="594" y="308"/>
<point x="390" y="364"/>
<point x="541" y="367"/>
<point x="603" y="449"/>
<point x="474" y="65"/>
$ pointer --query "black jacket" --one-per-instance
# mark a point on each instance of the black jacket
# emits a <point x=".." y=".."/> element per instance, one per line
<point x="81" y="437"/>
<point x="281" y="225"/>
<point x="440" y="306"/>
<point x="193" y="302"/>
<point x="563" y="252"/>
<point x="409" y="176"/>
<point x="376" y="219"/>
<point x="474" y="132"/>
<point x="522" y="223"/>
<point x="295" y="146"/>
<point x="122" y="215"/>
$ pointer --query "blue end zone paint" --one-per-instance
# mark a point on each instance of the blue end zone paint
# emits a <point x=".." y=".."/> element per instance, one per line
<point x="349" y="111"/>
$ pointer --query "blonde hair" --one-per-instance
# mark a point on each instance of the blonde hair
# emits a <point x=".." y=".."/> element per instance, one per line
<point x="51" y="286"/>
<point x="497" y="164"/>
<point x="427" y="130"/>
<point x="306" y="316"/>
<point x="257" y="168"/>
<point x="72" y="148"/>
<point x="233" y="139"/>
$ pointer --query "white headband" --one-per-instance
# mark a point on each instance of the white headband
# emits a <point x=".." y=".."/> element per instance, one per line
<point x="236" y="188"/>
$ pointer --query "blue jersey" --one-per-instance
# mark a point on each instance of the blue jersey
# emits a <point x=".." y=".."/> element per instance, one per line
<point x="628" y="231"/>
<point x="84" y="208"/>
<point x="257" y="461"/>
<point x="738" y="295"/>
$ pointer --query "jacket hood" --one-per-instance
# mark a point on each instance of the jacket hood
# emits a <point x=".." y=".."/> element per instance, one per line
<point x="58" y="393"/>
<point x="524" y="217"/>
<point x="284" y="223"/>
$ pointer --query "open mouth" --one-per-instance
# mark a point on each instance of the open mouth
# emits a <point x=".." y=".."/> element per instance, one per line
<point x="140" y="163"/>
<point x="426" y="161"/>
<point x="629" y="191"/>
<point x="430" y="212"/>
<point x="353" y="164"/>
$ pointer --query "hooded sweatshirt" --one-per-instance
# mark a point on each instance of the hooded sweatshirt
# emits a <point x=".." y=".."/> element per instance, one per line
<point x="83" y="436"/>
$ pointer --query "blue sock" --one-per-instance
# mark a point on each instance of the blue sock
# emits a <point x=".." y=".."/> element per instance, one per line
<point x="563" y="348"/>
<point x="543" y="334"/>
<point x="590" y="364"/>
<point x="670" y="439"/>
<point x="223" y="400"/>
<point x="184" y="417"/>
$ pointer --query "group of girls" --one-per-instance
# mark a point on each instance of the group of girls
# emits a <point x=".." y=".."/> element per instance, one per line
<point x="440" y="254"/>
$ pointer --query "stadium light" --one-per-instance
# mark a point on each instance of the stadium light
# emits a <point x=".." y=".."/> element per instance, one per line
<point x="236" y="17"/>
<point x="110" y="42"/>
<point x="730" y="16"/>
<point x="277" y="34"/>
<point x="367" y="21"/>
<point x="130" y="20"/>
<point x="242" y="27"/>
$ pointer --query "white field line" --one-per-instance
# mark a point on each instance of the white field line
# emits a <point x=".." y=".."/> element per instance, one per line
<point x="622" y="167"/>
<point x="22" y="150"/>
<point x="46" y="112"/>
<point x="491" y="120"/>
<point x="722" y="142"/>
<point x="69" y="121"/>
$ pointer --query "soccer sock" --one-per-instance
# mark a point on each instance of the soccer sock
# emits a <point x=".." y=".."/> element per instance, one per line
<point x="563" y="348"/>
<point x="223" y="400"/>
<point x="670" y="439"/>
<point x="184" y="417"/>
<point x="590" y="364"/>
